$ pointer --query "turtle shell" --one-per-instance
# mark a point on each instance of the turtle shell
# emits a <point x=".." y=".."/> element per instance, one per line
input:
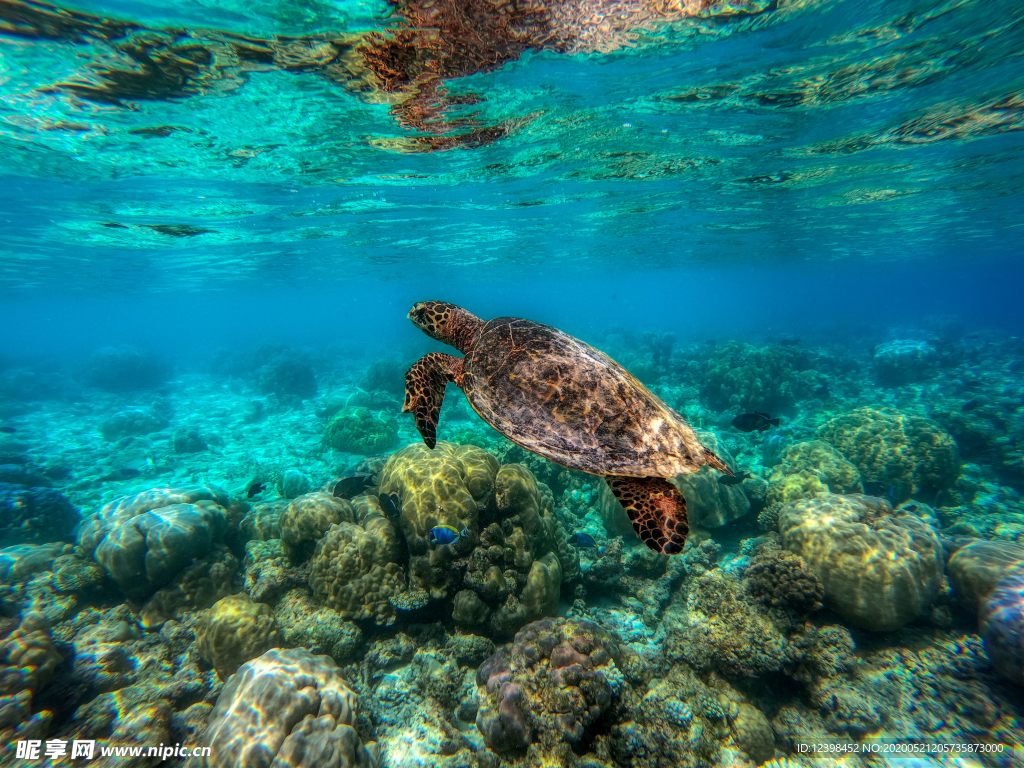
<point x="570" y="403"/>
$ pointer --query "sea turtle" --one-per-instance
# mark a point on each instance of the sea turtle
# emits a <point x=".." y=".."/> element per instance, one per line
<point x="563" y="399"/>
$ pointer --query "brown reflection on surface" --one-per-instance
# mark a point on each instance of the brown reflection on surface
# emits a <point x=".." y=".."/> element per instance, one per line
<point x="426" y="44"/>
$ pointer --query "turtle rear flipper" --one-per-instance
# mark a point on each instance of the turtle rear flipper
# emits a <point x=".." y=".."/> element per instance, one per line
<point x="424" y="390"/>
<point x="657" y="510"/>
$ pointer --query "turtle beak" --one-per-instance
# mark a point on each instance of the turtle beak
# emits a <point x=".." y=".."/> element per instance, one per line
<point x="417" y="313"/>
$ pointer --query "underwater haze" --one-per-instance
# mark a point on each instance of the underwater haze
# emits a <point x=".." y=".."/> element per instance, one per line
<point x="744" y="487"/>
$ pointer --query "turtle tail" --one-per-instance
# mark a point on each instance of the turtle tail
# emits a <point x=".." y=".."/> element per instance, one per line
<point x="424" y="391"/>
<point x="712" y="460"/>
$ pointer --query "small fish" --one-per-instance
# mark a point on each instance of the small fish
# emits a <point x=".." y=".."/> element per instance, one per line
<point x="734" y="479"/>
<point x="445" y="534"/>
<point x="583" y="540"/>
<point x="909" y="508"/>
<point x="254" y="489"/>
<point x="353" y="486"/>
<point x="391" y="504"/>
<point x="125" y="473"/>
<point x="8" y="430"/>
<point x="748" y="422"/>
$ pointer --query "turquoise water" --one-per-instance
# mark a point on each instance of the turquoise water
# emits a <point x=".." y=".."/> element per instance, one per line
<point x="220" y="531"/>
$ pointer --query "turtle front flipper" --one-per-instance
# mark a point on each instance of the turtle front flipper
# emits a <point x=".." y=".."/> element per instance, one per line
<point x="657" y="510"/>
<point x="424" y="390"/>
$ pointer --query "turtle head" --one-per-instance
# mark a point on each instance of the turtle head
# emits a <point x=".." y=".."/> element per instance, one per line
<point x="446" y="322"/>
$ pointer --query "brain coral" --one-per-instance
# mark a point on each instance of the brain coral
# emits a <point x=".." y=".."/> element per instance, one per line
<point x="879" y="570"/>
<point x="143" y="541"/>
<point x="1001" y="625"/>
<point x="289" y="708"/>
<point x="233" y="631"/>
<point x="763" y="378"/>
<point x="450" y="485"/>
<point x="809" y="468"/>
<point x="977" y="568"/>
<point x="306" y="520"/>
<point x="913" y="454"/>
<point x="551" y="685"/>
<point x="354" y="568"/>
<point x="34" y="515"/>
<point x="355" y="429"/>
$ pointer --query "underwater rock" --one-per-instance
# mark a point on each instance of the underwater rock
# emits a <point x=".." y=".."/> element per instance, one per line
<point x="879" y="569"/>
<point x="385" y="374"/>
<point x="906" y="454"/>
<point x="269" y="573"/>
<point x="124" y="369"/>
<point x="23" y="474"/>
<point x="34" y="515"/>
<point x="318" y="629"/>
<point x="131" y="422"/>
<point x="307" y="519"/>
<point x="354" y="568"/>
<point x="904" y="361"/>
<point x="550" y="685"/>
<point x="754" y="733"/>
<point x="358" y="430"/>
<point x="809" y="468"/>
<point x="976" y="569"/>
<point x="1001" y="625"/>
<point x="289" y="706"/>
<point x="234" y="631"/>
<point x="144" y="540"/>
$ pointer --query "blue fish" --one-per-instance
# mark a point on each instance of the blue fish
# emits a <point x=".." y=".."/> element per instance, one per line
<point x="445" y="534"/>
<point x="582" y="540"/>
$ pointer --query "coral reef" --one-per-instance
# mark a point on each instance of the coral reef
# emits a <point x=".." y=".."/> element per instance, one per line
<point x="355" y="429"/>
<point x="709" y="503"/>
<point x="354" y="568"/>
<point x="550" y="685"/>
<point x="879" y="569"/>
<point x="287" y="373"/>
<point x="34" y="515"/>
<point x="287" y="706"/>
<point x="904" y="361"/>
<point x="234" y="631"/>
<point x="124" y="369"/>
<point x="307" y="518"/>
<point x="27" y="662"/>
<point x="809" y="468"/>
<point x="131" y="422"/>
<point x="779" y="579"/>
<point x="319" y="629"/>
<point x="912" y="456"/>
<point x="769" y="378"/>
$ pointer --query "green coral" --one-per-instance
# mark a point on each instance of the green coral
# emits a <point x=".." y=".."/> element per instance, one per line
<point x="355" y="429"/>
<point x="234" y="631"/>
<point x="911" y="453"/>
<point x="810" y="468"/>
<point x="769" y="378"/>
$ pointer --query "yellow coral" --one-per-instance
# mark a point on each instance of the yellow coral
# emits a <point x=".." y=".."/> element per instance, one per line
<point x="810" y="468"/>
<point x="234" y="631"/>
<point x="908" y="452"/>
<point x="354" y="569"/>
<point x="306" y="519"/>
<point x="879" y="570"/>
<point x="449" y="485"/>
